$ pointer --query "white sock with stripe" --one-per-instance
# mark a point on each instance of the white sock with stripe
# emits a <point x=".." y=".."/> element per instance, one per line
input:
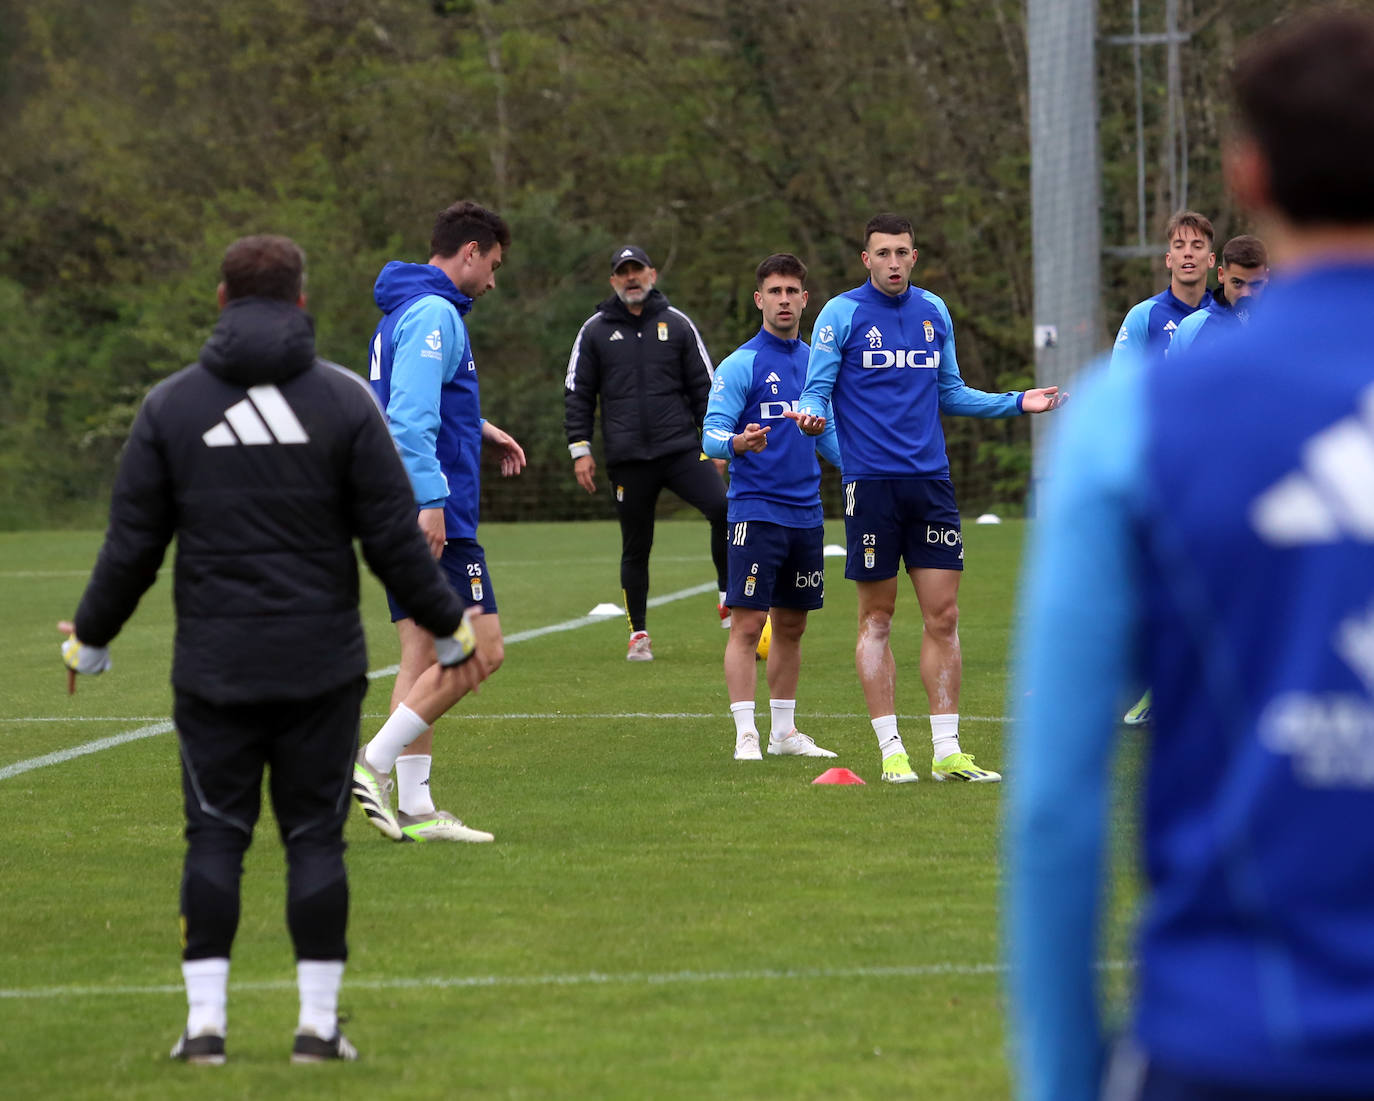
<point x="402" y="728"/>
<point x="944" y="735"/>
<point x="412" y="784"/>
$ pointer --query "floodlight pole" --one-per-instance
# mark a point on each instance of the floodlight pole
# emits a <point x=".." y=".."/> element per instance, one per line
<point x="1066" y="235"/>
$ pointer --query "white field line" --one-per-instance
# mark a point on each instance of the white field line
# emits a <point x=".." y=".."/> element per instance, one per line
<point x="589" y="978"/>
<point x="513" y="716"/>
<point x="63" y="755"/>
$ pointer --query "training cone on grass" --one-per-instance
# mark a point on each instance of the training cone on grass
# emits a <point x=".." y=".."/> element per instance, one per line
<point x="838" y="776"/>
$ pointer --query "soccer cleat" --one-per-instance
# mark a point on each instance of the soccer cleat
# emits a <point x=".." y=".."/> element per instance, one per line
<point x="960" y="766"/>
<point x="640" y="649"/>
<point x="796" y="744"/>
<point x="438" y="825"/>
<point x="1139" y="715"/>
<point x="724" y="613"/>
<point x="747" y="746"/>
<point x="205" y="1049"/>
<point x="310" y="1048"/>
<point x="897" y="769"/>
<point x="374" y="796"/>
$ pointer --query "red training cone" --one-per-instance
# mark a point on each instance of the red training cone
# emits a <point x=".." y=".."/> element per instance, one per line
<point x="837" y="776"/>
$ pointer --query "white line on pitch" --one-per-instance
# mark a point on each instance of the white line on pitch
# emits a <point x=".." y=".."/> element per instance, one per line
<point x="508" y="716"/>
<point x="163" y="726"/>
<point x="588" y="978"/>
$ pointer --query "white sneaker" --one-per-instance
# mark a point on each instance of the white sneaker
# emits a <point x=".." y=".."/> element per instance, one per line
<point x="796" y="744"/>
<point x="747" y="746"/>
<point x="640" y="649"/>
<point x="438" y="826"/>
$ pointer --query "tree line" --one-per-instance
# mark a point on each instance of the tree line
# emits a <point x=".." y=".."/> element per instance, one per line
<point x="142" y="136"/>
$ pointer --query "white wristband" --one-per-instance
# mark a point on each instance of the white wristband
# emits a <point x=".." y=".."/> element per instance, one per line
<point x="577" y="450"/>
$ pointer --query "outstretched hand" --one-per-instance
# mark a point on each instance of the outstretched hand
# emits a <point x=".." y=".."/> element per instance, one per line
<point x="1043" y="400"/>
<point x="80" y="658"/>
<point x="807" y="422"/>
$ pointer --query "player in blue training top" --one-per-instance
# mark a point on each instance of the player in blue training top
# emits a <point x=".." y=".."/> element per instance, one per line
<point x="1149" y="326"/>
<point x="777" y="532"/>
<point x="882" y="358"/>
<point x="1242" y="276"/>
<point x="1209" y="522"/>
<point x="424" y="376"/>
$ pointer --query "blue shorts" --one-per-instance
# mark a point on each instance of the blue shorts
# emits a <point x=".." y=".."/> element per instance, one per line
<point x="465" y="565"/>
<point x="890" y="519"/>
<point x="775" y="566"/>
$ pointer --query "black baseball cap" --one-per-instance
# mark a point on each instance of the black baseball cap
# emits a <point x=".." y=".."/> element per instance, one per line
<point x="626" y="253"/>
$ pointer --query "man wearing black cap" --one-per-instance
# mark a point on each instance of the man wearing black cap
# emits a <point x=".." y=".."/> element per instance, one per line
<point x="649" y="365"/>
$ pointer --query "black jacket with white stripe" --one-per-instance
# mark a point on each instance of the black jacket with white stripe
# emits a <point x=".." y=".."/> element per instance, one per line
<point x="265" y="463"/>
<point x="652" y="373"/>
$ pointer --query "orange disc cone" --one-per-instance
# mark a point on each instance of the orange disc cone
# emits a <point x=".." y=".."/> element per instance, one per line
<point x="837" y="776"/>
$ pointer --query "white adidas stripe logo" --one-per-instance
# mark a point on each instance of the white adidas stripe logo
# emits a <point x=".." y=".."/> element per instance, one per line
<point x="1330" y="498"/>
<point x="262" y="417"/>
<point x="772" y="377"/>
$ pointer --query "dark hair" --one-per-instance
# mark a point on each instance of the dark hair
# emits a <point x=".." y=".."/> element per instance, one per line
<point x="263" y="266"/>
<point x="1303" y="92"/>
<point x="1189" y="219"/>
<point x="889" y="223"/>
<point x="1245" y="251"/>
<point x="780" y="263"/>
<point x="466" y="221"/>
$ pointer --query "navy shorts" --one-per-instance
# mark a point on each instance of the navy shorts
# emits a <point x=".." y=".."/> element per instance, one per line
<point x="465" y="565"/>
<point x="887" y="520"/>
<point x="775" y="566"/>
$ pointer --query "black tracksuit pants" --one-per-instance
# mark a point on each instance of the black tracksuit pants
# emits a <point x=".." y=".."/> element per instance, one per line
<point x="637" y="486"/>
<point x="307" y="747"/>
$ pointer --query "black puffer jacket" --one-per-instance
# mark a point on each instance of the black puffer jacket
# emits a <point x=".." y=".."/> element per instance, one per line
<point x="653" y="375"/>
<point x="265" y="463"/>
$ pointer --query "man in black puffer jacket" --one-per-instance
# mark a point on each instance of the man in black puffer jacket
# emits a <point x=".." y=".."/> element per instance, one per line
<point x="649" y="366"/>
<point x="265" y="463"/>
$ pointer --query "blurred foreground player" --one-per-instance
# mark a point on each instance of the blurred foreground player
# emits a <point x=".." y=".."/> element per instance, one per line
<point x="265" y="463"/>
<point x="1210" y="525"/>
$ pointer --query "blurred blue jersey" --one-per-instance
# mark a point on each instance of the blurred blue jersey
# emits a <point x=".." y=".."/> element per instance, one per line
<point x="1208" y="527"/>
<point x="757" y="384"/>
<point x="882" y="370"/>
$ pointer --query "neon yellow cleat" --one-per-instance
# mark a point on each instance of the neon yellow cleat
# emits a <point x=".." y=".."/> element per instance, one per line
<point x="897" y="769"/>
<point x="960" y="766"/>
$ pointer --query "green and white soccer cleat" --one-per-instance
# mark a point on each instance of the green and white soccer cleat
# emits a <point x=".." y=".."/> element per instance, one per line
<point x="1139" y="715"/>
<point x="960" y="766"/>
<point x="897" y="769"/>
<point x="438" y="825"/>
<point x="374" y="796"/>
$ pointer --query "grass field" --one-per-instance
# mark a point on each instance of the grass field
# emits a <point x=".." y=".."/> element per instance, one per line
<point x="655" y="920"/>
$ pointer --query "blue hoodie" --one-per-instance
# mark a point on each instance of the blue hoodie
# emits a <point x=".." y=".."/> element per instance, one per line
<point x="423" y="374"/>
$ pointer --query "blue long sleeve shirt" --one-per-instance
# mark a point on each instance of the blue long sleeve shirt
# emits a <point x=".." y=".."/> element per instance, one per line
<point x="1149" y="326"/>
<point x="1209" y="528"/>
<point x="759" y="383"/>
<point x="882" y="369"/>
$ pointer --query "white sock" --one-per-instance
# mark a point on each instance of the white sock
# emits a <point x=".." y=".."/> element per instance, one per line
<point x="412" y="784"/>
<point x="783" y="714"/>
<point x="743" y="714"/>
<point x="318" y="982"/>
<point x="402" y="728"/>
<point x="207" y="995"/>
<point x="944" y="735"/>
<point x="889" y="741"/>
<point x="722" y="596"/>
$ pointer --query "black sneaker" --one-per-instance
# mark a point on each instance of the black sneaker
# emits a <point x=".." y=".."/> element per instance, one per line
<point x="206" y="1050"/>
<point x="309" y="1048"/>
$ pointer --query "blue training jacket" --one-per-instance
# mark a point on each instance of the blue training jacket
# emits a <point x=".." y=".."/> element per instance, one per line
<point x="1208" y="527"/>
<point x="1149" y="326"/>
<point x="883" y="369"/>
<point x="756" y="384"/>
<point x="423" y="374"/>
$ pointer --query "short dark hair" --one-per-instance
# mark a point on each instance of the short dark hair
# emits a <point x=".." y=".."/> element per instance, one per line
<point x="1189" y="219"/>
<point x="780" y="263"/>
<point x="1246" y="252"/>
<point x="889" y="223"/>
<point x="263" y="266"/>
<point x="467" y="221"/>
<point x="1303" y="93"/>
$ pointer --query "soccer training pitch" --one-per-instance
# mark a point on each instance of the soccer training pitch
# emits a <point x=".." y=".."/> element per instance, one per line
<point x="655" y="919"/>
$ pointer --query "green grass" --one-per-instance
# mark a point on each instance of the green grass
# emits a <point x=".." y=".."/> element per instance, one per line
<point x="655" y="919"/>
